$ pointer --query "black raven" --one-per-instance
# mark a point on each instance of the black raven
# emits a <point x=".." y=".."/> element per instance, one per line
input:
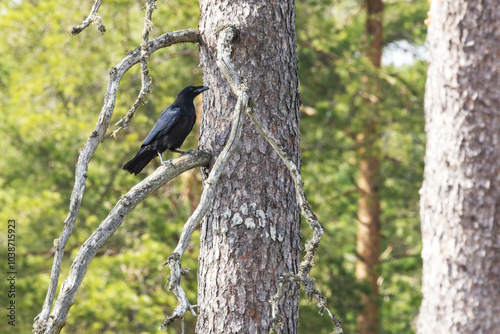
<point x="170" y="130"/>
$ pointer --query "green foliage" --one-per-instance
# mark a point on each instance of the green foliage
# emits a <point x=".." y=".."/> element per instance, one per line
<point x="51" y="92"/>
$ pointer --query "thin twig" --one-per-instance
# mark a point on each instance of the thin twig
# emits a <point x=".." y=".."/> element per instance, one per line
<point x="145" y="78"/>
<point x="92" y="18"/>
<point x="226" y="36"/>
<point x="115" y="75"/>
<point x="125" y="205"/>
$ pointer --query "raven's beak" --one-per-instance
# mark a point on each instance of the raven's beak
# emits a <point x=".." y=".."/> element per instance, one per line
<point x="201" y="89"/>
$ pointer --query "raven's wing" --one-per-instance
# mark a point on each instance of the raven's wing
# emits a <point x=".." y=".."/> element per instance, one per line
<point x="165" y="122"/>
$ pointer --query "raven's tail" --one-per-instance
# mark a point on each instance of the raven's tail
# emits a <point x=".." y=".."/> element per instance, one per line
<point x="141" y="159"/>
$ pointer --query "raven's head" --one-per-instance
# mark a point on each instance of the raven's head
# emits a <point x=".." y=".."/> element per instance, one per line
<point x="190" y="92"/>
<point x="199" y="89"/>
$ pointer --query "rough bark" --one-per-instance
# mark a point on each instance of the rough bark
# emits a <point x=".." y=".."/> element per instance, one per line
<point x="368" y="235"/>
<point x="460" y="196"/>
<point x="251" y="234"/>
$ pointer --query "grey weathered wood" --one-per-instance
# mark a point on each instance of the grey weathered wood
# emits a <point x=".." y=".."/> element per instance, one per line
<point x="92" y="18"/>
<point x="115" y="75"/>
<point x="304" y="274"/>
<point x="145" y="78"/>
<point x="125" y="205"/>
<point x="460" y="196"/>
<point x="226" y="36"/>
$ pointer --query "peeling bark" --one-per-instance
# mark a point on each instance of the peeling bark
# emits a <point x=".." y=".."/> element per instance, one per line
<point x="251" y="234"/>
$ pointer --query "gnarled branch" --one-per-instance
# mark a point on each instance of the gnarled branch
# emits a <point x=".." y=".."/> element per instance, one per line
<point x="92" y="18"/>
<point x="145" y="78"/>
<point x="115" y="75"/>
<point x="125" y="205"/>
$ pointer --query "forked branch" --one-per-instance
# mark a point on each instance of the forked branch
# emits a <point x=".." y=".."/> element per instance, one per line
<point x="225" y="38"/>
<point x="115" y="75"/>
<point x="125" y="205"/>
<point x="146" y="80"/>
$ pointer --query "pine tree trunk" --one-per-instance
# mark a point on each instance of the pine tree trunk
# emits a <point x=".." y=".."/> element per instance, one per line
<point x="252" y="234"/>
<point x="460" y="196"/>
<point x="368" y="237"/>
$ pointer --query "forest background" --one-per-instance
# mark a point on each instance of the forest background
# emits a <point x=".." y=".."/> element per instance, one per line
<point x="51" y="91"/>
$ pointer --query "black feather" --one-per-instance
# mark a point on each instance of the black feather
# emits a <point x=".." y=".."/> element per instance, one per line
<point x="171" y="129"/>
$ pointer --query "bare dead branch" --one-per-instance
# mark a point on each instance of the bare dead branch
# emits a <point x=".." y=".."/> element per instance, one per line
<point x="145" y="78"/>
<point x="226" y="36"/>
<point x="174" y="282"/>
<point x="125" y="205"/>
<point x="115" y="75"/>
<point x="92" y="18"/>
<point x="211" y="181"/>
<point x="311" y="245"/>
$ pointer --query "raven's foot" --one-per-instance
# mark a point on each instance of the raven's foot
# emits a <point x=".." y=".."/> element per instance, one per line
<point x="167" y="163"/>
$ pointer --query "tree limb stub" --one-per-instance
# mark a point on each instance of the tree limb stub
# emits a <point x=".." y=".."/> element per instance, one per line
<point x="92" y="18"/>
<point x="226" y="37"/>
<point x="125" y="205"/>
<point x="115" y="75"/>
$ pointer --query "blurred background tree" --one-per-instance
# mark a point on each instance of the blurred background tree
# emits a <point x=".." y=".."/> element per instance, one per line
<point x="333" y="71"/>
<point x="51" y="91"/>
